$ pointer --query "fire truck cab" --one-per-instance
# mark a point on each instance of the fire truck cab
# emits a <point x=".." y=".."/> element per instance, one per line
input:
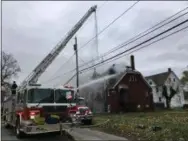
<point x="79" y="110"/>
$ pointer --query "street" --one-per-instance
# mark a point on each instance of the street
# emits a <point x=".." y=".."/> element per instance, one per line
<point x="77" y="133"/>
<point x="8" y="135"/>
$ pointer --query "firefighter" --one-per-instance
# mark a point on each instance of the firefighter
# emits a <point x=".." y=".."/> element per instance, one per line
<point x="13" y="88"/>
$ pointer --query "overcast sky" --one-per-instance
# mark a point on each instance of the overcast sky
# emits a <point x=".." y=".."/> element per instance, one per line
<point x="32" y="29"/>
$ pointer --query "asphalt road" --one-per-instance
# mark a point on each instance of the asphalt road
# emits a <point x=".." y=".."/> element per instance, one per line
<point x="79" y="134"/>
<point x="8" y="135"/>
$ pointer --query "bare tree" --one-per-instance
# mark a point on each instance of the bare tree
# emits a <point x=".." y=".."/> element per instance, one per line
<point x="9" y="68"/>
<point x="170" y="96"/>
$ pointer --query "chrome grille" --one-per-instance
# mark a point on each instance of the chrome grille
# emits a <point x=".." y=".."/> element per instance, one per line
<point x="82" y="111"/>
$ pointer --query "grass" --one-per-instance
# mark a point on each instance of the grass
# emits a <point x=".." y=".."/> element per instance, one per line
<point x="174" y="125"/>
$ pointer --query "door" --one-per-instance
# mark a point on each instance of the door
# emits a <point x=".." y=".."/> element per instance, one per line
<point x="112" y="101"/>
<point x="123" y="99"/>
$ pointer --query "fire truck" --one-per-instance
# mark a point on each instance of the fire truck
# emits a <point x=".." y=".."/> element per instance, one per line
<point x="35" y="109"/>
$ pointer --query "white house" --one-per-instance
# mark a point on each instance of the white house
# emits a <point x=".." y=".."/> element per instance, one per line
<point x="169" y="79"/>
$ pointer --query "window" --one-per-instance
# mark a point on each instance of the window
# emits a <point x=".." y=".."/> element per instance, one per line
<point x="150" y="83"/>
<point x="62" y="95"/>
<point x="81" y="102"/>
<point x="160" y="99"/>
<point x="169" y="80"/>
<point x="157" y="89"/>
<point x="132" y="78"/>
<point x="174" y="79"/>
<point x="40" y="95"/>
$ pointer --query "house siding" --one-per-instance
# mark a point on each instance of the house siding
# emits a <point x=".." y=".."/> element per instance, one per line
<point x="137" y="89"/>
<point x="172" y="80"/>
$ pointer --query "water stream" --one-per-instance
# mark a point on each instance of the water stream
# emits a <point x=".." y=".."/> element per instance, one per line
<point x="102" y="79"/>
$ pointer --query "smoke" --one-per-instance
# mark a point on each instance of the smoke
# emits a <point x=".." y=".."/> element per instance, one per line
<point x="103" y="71"/>
<point x="98" y="81"/>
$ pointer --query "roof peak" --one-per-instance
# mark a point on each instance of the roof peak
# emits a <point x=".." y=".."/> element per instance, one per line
<point x="159" y="78"/>
<point x="157" y="74"/>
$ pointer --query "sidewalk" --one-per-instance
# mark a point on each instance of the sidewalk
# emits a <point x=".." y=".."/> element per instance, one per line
<point x="88" y="134"/>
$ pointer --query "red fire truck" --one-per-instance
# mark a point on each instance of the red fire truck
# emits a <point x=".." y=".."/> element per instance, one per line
<point x="40" y="110"/>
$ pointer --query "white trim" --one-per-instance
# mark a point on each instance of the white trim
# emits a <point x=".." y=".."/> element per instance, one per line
<point x="50" y="104"/>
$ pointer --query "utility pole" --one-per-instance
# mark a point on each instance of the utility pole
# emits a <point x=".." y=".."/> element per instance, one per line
<point x="77" y="70"/>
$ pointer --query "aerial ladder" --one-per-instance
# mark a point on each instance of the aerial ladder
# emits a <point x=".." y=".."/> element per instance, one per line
<point x="43" y="65"/>
<point x="15" y="115"/>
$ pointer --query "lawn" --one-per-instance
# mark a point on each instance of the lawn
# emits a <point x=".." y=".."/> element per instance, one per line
<point x="164" y="126"/>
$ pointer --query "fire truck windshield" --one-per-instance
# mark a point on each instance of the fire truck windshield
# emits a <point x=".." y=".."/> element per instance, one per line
<point x="62" y="96"/>
<point x="81" y="102"/>
<point x="40" y="95"/>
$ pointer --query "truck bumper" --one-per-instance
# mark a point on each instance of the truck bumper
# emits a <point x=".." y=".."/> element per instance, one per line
<point x="85" y="117"/>
<point x="39" y="129"/>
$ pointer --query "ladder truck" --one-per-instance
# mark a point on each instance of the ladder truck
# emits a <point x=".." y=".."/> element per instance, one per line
<point x="35" y="109"/>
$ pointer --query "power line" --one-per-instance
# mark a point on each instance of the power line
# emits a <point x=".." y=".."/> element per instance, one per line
<point x="109" y="24"/>
<point x="129" y="52"/>
<point x="102" y="5"/>
<point x="60" y="68"/>
<point x="145" y="41"/>
<point x="101" y="30"/>
<point x="98" y="9"/>
<point x="129" y="41"/>
<point x="134" y="46"/>
<point x="137" y="36"/>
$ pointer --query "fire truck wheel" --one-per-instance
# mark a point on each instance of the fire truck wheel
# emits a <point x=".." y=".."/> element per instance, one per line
<point x="19" y="134"/>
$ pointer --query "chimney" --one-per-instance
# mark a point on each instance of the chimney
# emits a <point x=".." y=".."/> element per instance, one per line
<point x="169" y="70"/>
<point x="132" y="62"/>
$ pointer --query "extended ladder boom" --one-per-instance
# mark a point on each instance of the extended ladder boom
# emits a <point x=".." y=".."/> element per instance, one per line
<point x="37" y="72"/>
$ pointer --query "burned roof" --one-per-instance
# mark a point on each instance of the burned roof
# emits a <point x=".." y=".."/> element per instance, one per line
<point x="159" y="79"/>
